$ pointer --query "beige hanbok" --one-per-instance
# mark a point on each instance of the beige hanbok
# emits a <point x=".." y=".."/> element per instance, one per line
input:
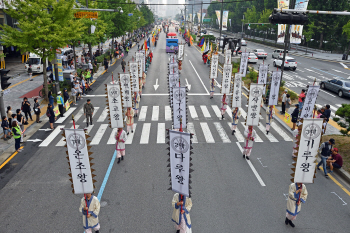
<point x="94" y="209"/>
<point x="182" y="221"/>
<point x="292" y="208"/>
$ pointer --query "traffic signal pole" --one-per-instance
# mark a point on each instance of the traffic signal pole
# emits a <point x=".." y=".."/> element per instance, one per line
<point x="220" y="25"/>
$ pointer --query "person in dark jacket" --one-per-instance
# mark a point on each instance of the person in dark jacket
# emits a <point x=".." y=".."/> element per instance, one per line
<point x="326" y="151"/>
<point x="105" y="63"/>
<point x="327" y="112"/>
<point x="37" y="110"/>
<point x="16" y="131"/>
<point x="51" y="99"/>
<point x="26" y="108"/>
<point x="65" y="95"/>
<point x="295" y="115"/>
<point x="51" y="115"/>
<point x="6" y="127"/>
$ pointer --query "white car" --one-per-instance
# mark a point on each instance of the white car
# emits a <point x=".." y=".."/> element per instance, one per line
<point x="210" y="33"/>
<point x="278" y="52"/>
<point x="243" y="42"/>
<point x="252" y="58"/>
<point x="260" y="53"/>
<point x="289" y="63"/>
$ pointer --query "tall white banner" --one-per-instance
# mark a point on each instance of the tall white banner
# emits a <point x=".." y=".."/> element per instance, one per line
<point x="173" y="82"/>
<point x="179" y="107"/>
<point x="139" y="58"/>
<point x="115" y="105"/>
<point x="173" y="68"/>
<point x="310" y="139"/>
<point x="203" y="14"/>
<point x="79" y="161"/>
<point x="218" y="14"/>
<point x="237" y="91"/>
<point x="173" y="59"/>
<point x="262" y="79"/>
<point x="214" y="66"/>
<point x="275" y="87"/>
<point x="224" y="20"/>
<point x="134" y="72"/>
<point x="181" y="52"/>
<point x="244" y="64"/>
<point x="309" y="102"/>
<point x="297" y="30"/>
<point x="282" y="4"/>
<point x="180" y="148"/>
<point x="255" y="96"/>
<point x="228" y="58"/>
<point x="126" y="89"/>
<point x="226" y="79"/>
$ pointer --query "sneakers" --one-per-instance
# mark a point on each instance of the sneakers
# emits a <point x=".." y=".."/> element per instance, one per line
<point x="247" y="157"/>
<point x="127" y="133"/>
<point x="243" y="155"/>
<point x="318" y="168"/>
<point x="286" y="221"/>
<point x="233" y="132"/>
<point x="326" y="175"/>
<point x="267" y="132"/>
<point x="132" y="131"/>
<point x="291" y="223"/>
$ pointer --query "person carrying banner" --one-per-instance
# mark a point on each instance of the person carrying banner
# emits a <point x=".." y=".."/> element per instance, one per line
<point x="181" y="214"/>
<point x="270" y="114"/>
<point x="212" y="88"/>
<point x="136" y="99"/>
<point x="250" y="135"/>
<point x="90" y="208"/>
<point x="150" y="56"/>
<point x="295" y="140"/>
<point x="223" y="106"/>
<point x="297" y="194"/>
<point x="120" y="137"/>
<point x="130" y="120"/>
<point x="143" y="79"/>
<point x="236" y="113"/>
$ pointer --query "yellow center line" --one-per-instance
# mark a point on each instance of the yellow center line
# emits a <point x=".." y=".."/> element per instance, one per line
<point x="337" y="183"/>
<point x="9" y="158"/>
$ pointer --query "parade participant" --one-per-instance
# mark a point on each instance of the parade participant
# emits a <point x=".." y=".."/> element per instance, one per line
<point x="236" y="113"/>
<point x="120" y="137"/>
<point x="88" y="112"/>
<point x="223" y="106"/>
<point x="250" y="135"/>
<point x="212" y="88"/>
<point x="136" y="99"/>
<point x="270" y="113"/>
<point x="60" y="103"/>
<point x="130" y="120"/>
<point x="140" y="87"/>
<point x="181" y="214"/>
<point x="90" y="213"/>
<point x="205" y="58"/>
<point x="123" y="65"/>
<point x="297" y="194"/>
<point x="151" y="56"/>
<point x="295" y="140"/>
<point x="143" y="79"/>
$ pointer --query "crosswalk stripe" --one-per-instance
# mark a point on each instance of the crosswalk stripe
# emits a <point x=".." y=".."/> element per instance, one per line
<point x="143" y="112"/>
<point x="52" y="136"/>
<point x="98" y="136"/>
<point x="222" y="133"/>
<point x="94" y="115"/>
<point x="66" y="115"/>
<point x="145" y="133"/>
<point x="238" y="134"/>
<point x="62" y="142"/>
<point x="207" y="134"/>
<point x="193" y="112"/>
<point x="78" y="115"/>
<point x="155" y="113"/>
<point x="167" y="113"/>
<point x="258" y="138"/>
<point x="89" y="128"/>
<point x="217" y="111"/>
<point x="190" y="128"/>
<point x="281" y="132"/>
<point x="339" y="105"/>
<point x="229" y="112"/>
<point x="161" y="133"/>
<point x="333" y="108"/>
<point x="131" y="136"/>
<point x="269" y="136"/>
<point x="103" y="115"/>
<point x="112" y="139"/>
<point x="320" y="106"/>
<point x="205" y="112"/>
<point x="243" y="113"/>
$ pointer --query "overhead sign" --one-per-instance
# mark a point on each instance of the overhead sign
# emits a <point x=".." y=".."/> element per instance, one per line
<point x="86" y="14"/>
<point x="206" y="20"/>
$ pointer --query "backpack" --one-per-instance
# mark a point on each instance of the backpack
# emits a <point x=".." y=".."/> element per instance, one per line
<point x="48" y="113"/>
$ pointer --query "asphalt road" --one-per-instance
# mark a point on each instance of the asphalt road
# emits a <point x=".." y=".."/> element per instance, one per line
<point x="227" y="195"/>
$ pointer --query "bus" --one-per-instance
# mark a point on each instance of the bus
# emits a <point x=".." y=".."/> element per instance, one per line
<point x="172" y="43"/>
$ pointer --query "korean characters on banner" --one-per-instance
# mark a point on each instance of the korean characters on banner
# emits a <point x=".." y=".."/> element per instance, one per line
<point x="180" y="107"/>
<point x="237" y="91"/>
<point x="173" y="68"/>
<point x="309" y="143"/>
<point x="134" y="72"/>
<point x="275" y="87"/>
<point x="79" y="161"/>
<point x="297" y="30"/>
<point x="214" y="66"/>
<point x="143" y="60"/>
<point x="244" y="64"/>
<point x="262" y="79"/>
<point x="226" y="79"/>
<point x="309" y="102"/>
<point x="124" y="80"/>
<point x="173" y="81"/>
<point x="228" y="56"/>
<point x="282" y="4"/>
<point x="255" y="96"/>
<point x="139" y="58"/>
<point x="181" y="52"/>
<point x="180" y="162"/>
<point x="172" y="59"/>
<point x="115" y="105"/>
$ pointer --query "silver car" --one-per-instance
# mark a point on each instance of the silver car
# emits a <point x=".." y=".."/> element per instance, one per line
<point x="260" y="53"/>
<point x="339" y="86"/>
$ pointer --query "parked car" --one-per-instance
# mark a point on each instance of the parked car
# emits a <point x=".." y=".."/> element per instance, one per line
<point x="339" y="86"/>
<point x="210" y="33"/>
<point x="278" y="52"/>
<point x="260" y="53"/>
<point x="243" y="42"/>
<point x="252" y="58"/>
<point x="224" y="35"/>
<point x="289" y="62"/>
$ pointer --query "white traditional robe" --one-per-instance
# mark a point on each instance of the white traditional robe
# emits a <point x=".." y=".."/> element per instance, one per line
<point x="223" y="105"/>
<point x="122" y="136"/>
<point x="94" y="209"/>
<point x="249" y="143"/>
<point x="292" y="207"/>
<point x="136" y="101"/>
<point x="295" y="140"/>
<point x="177" y="217"/>
<point x="212" y="87"/>
<point x="270" y="116"/>
<point x="234" y="115"/>
<point x="130" y="119"/>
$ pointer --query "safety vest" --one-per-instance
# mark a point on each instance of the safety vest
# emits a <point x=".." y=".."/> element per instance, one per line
<point x="59" y="100"/>
<point x="18" y="131"/>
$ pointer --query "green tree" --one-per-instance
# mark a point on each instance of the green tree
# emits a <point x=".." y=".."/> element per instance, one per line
<point x="44" y="26"/>
<point x="264" y="19"/>
<point x="344" y="112"/>
<point x="346" y="31"/>
<point x="308" y="33"/>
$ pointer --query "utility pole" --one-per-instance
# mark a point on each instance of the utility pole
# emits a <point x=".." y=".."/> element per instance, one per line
<point x="242" y="26"/>
<point x="220" y="25"/>
<point x="185" y="18"/>
<point x="192" y="18"/>
<point x="90" y="49"/>
<point x="201" y="15"/>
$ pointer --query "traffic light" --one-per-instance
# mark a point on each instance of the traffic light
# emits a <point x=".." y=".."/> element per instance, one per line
<point x="4" y="78"/>
<point x="288" y="18"/>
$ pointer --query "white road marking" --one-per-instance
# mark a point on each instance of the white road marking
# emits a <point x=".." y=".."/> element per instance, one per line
<point x="89" y="128"/>
<point x="143" y="112"/>
<point x="145" y="133"/>
<point x="207" y="134"/>
<point x="218" y="84"/>
<point x="78" y="115"/>
<point x="112" y="139"/>
<point x="222" y="133"/>
<point x="238" y="134"/>
<point x="62" y="142"/>
<point x="99" y="134"/>
<point x="155" y="113"/>
<point x="345" y="66"/>
<point x="269" y="136"/>
<point x="339" y="105"/>
<point x="193" y="112"/>
<point x="161" y="133"/>
<point x="130" y="136"/>
<point x="66" y="115"/>
<point x="199" y="78"/>
<point x="281" y="132"/>
<point x="52" y="136"/>
<point x="103" y="115"/>
<point x="167" y="113"/>
<point x="205" y="112"/>
<point x="261" y="162"/>
<point x="285" y="195"/>
<point x="252" y="167"/>
<point x="258" y="138"/>
<point x="327" y="93"/>
<point x="93" y="115"/>
<point x="217" y="111"/>
<point x="344" y="203"/>
<point x="243" y="113"/>
<point x="190" y="128"/>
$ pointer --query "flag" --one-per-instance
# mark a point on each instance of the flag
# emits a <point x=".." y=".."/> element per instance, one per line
<point x="207" y="48"/>
<point x="191" y="40"/>
<point x="149" y="42"/>
<point x="201" y="42"/>
<point x="145" y="45"/>
<point x="203" y="47"/>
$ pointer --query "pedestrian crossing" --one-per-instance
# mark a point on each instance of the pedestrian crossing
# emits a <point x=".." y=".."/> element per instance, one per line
<point x="204" y="124"/>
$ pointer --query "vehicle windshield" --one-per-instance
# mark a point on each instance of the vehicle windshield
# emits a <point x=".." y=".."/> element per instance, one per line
<point x="33" y="61"/>
<point x="347" y="84"/>
<point x="260" y="50"/>
<point x="290" y="60"/>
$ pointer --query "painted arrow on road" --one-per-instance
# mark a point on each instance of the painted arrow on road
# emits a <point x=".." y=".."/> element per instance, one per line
<point x="188" y="85"/>
<point x="34" y="140"/>
<point x="48" y="129"/>
<point x="156" y="86"/>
